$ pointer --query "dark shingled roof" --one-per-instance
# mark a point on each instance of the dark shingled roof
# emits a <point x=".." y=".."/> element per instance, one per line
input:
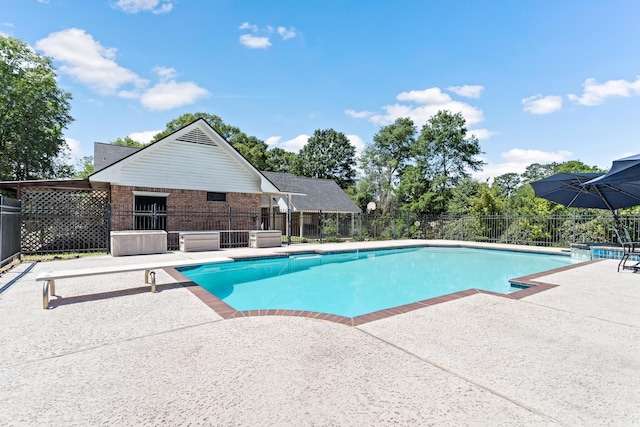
<point x="321" y="194"/>
<point x="107" y="154"/>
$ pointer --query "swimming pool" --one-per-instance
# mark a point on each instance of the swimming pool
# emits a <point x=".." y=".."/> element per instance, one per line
<point x="350" y="284"/>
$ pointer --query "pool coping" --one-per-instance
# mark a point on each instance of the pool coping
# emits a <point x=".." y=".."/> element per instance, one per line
<point x="529" y="284"/>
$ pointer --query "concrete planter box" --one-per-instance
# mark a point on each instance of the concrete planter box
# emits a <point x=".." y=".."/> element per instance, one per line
<point x="194" y="241"/>
<point x="265" y="239"/>
<point x="138" y="242"/>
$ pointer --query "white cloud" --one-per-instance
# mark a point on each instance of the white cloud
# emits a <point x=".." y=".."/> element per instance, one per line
<point x="254" y="42"/>
<point x="432" y="95"/>
<point x="165" y="73"/>
<point x="595" y="94"/>
<point x="286" y="34"/>
<point x="153" y="6"/>
<point x="75" y="149"/>
<point x="516" y="160"/>
<point x="538" y="104"/>
<point x="357" y="142"/>
<point x="88" y="61"/>
<point x="293" y="145"/>
<point x="468" y="91"/>
<point x="481" y="133"/>
<point x="358" y="114"/>
<point x="273" y="141"/>
<point x="144" y="137"/>
<point x="247" y="26"/>
<point x="172" y="94"/>
<point x="535" y="156"/>
<point x="430" y="101"/>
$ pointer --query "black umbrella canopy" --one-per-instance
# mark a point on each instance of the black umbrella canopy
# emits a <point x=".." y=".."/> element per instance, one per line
<point x="623" y="170"/>
<point x="568" y="190"/>
<point x="574" y="190"/>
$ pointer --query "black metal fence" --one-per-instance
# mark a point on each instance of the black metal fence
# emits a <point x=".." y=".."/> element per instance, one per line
<point x="538" y="230"/>
<point x="233" y="225"/>
<point x="10" y="220"/>
<point x="83" y="222"/>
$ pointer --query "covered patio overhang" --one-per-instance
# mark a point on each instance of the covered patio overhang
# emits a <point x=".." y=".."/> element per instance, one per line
<point x="15" y="188"/>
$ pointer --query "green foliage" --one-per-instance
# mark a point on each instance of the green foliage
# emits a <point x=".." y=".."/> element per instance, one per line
<point x="463" y="196"/>
<point x="507" y="183"/>
<point x="33" y="114"/>
<point x="128" y="142"/>
<point x="573" y="166"/>
<point x="487" y="201"/>
<point x="538" y="171"/>
<point x="328" y="154"/>
<point x="279" y="160"/>
<point x="414" y="192"/>
<point x="445" y="154"/>
<point x="362" y="192"/>
<point x="384" y="159"/>
<point x="84" y="167"/>
<point x="329" y="229"/>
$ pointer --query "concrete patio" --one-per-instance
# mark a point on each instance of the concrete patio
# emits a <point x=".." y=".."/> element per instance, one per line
<point x="110" y="352"/>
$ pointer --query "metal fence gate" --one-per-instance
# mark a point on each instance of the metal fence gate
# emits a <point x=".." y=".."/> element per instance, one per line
<point x="9" y="230"/>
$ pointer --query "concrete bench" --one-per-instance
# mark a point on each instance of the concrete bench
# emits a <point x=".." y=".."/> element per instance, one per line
<point x="194" y="241"/>
<point x="138" y="242"/>
<point x="49" y="278"/>
<point x="265" y="238"/>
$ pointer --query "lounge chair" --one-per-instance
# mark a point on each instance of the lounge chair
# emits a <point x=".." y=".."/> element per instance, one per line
<point x="629" y="248"/>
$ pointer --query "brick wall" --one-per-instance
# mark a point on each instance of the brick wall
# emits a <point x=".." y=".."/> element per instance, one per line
<point x="189" y="209"/>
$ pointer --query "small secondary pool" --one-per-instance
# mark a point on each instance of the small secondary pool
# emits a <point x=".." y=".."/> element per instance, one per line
<point x="350" y="284"/>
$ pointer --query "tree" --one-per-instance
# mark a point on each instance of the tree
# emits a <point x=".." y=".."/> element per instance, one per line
<point x="464" y="195"/>
<point x="128" y="142"/>
<point x="252" y="148"/>
<point x="536" y="171"/>
<point x="444" y="153"/>
<point x="507" y="183"/>
<point x="84" y="167"/>
<point x="33" y="114"/>
<point x="384" y="159"/>
<point x="328" y="154"/>
<point x="279" y="160"/>
<point x="576" y="166"/>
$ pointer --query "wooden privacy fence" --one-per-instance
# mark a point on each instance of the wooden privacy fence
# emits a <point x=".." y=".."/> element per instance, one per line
<point x="9" y="230"/>
<point x="64" y="220"/>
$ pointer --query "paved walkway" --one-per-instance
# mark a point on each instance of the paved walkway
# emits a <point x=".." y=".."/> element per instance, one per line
<point x="112" y="353"/>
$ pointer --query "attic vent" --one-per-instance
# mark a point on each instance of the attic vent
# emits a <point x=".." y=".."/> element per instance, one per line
<point x="196" y="136"/>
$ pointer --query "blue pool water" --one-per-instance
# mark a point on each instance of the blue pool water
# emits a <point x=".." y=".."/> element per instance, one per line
<point x="354" y="283"/>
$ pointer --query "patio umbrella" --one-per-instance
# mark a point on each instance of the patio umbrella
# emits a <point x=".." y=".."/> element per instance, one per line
<point x="583" y="190"/>
<point x="622" y="170"/>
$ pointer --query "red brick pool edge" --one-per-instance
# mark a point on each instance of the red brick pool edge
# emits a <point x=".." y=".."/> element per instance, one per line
<point x="529" y="282"/>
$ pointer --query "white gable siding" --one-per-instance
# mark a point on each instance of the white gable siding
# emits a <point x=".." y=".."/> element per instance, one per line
<point x="193" y="158"/>
<point x="191" y="166"/>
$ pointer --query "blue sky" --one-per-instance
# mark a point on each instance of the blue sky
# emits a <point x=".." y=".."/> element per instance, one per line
<point x="537" y="81"/>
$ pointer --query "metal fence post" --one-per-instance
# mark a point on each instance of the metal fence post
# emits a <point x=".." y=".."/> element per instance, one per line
<point x="506" y="234"/>
<point x="108" y="219"/>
